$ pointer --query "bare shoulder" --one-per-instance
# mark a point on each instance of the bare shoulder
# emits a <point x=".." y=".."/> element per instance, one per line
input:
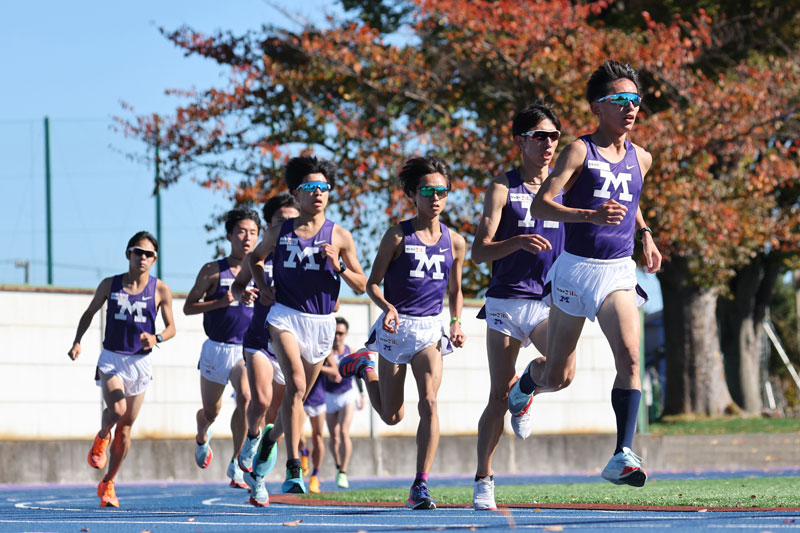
<point x="162" y="288"/>
<point x="499" y="181"/>
<point x="459" y="242"/>
<point x="341" y="234"/>
<point x="645" y="157"/>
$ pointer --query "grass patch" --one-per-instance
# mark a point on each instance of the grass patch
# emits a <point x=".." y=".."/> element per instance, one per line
<point x="729" y="425"/>
<point x="750" y="492"/>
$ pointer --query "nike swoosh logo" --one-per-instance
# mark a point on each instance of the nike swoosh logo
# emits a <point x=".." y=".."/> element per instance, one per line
<point x="441" y="250"/>
<point x="629" y="167"/>
<point x="147" y="298"/>
<point x="319" y="242"/>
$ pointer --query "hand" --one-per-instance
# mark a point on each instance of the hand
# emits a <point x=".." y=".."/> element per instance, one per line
<point x="651" y="254"/>
<point x="75" y="351"/>
<point x="267" y="298"/>
<point x="249" y="295"/>
<point x="533" y="243"/>
<point x="227" y="299"/>
<point x="610" y="213"/>
<point x="147" y="340"/>
<point x="390" y="320"/>
<point x="332" y="255"/>
<point x="457" y="336"/>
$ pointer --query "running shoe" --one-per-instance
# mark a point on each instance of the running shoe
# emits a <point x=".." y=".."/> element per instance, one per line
<point x="313" y="485"/>
<point x="519" y="405"/>
<point x="341" y="480"/>
<point x="420" y="498"/>
<point x="625" y="468"/>
<point x="267" y="455"/>
<point x="258" y="491"/>
<point x="294" y="482"/>
<point x="356" y="364"/>
<point x="108" y="496"/>
<point x="202" y="452"/>
<point x="236" y="475"/>
<point x="483" y="495"/>
<point x="97" y="455"/>
<point x="248" y="452"/>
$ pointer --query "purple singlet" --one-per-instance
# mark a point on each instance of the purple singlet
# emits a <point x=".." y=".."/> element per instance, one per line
<point x="226" y="324"/>
<point x="415" y="283"/>
<point x="599" y="182"/>
<point x="256" y="335"/>
<point x="337" y="388"/>
<point x="128" y="316"/>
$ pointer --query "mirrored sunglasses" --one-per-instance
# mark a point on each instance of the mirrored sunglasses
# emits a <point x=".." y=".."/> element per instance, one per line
<point x="622" y="99"/>
<point x="429" y="190"/>
<point x="311" y="186"/>
<point x="542" y="135"/>
<point x="142" y="251"/>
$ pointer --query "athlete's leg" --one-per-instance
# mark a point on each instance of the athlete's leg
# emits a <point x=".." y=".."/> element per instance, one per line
<point x="238" y="379"/>
<point x="317" y="441"/>
<point x="211" y="396"/>
<point x="116" y="403"/>
<point x="259" y="377"/>
<point x="539" y="339"/>
<point x="563" y="332"/>
<point x="427" y="368"/>
<point x="122" y="435"/>
<point x="346" y="415"/>
<point x="502" y="352"/>
<point x="386" y="390"/>
<point x="335" y="435"/>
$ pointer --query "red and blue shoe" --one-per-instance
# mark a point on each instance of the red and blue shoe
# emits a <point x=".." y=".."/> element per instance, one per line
<point x="357" y="363"/>
<point x="420" y="498"/>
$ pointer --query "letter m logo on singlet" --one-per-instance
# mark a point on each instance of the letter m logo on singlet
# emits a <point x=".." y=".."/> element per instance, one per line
<point x="297" y="254"/>
<point x="434" y="262"/>
<point x="610" y="179"/>
<point x="525" y="201"/>
<point x="135" y="309"/>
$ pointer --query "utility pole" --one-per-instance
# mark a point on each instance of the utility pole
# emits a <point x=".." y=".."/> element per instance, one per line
<point x="158" y="206"/>
<point x="49" y="222"/>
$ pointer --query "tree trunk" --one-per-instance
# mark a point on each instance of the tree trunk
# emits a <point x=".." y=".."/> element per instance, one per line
<point x="740" y="330"/>
<point x="695" y="381"/>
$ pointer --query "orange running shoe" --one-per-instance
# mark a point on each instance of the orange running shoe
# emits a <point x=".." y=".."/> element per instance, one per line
<point x="108" y="496"/>
<point x="97" y="455"/>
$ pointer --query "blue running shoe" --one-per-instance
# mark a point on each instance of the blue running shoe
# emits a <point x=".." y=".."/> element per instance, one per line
<point x="236" y="475"/>
<point x="420" y="498"/>
<point x="258" y="491"/>
<point x="202" y="452"/>
<point x="248" y="452"/>
<point x="355" y="364"/>
<point x="294" y="482"/>
<point x="267" y="455"/>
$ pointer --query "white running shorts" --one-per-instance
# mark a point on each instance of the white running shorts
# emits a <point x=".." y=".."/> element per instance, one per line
<point x="580" y="285"/>
<point x="414" y="334"/>
<point x="135" y="371"/>
<point x="314" y="410"/>
<point x="277" y="373"/>
<point x="336" y="402"/>
<point x="516" y="317"/>
<point x="314" y="333"/>
<point x="217" y="359"/>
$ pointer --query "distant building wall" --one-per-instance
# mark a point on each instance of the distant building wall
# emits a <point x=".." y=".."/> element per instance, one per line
<point x="45" y="395"/>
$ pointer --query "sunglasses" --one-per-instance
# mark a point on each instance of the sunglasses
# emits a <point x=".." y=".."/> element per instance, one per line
<point x="622" y="99"/>
<point x="427" y="191"/>
<point x="341" y="333"/>
<point x="142" y="251"/>
<point x="542" y="135"/>
<point x="311" y="186"/>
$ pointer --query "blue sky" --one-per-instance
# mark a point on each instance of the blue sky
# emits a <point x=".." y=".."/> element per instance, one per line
<point x="75" y="62"/>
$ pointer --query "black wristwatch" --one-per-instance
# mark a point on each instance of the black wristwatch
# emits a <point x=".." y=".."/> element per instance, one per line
<point x="641" y="231"/>
<point x="159" y="338"/>
<point x="341" y="270"/>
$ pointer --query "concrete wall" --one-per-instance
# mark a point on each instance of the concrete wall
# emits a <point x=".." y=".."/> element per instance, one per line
<point x="45" y="395"/>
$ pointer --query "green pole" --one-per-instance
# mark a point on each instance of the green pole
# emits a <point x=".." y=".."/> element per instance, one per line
<point x="642" y="422"/>
<point x="49" y="218"/>
<point x="158" y="215"/>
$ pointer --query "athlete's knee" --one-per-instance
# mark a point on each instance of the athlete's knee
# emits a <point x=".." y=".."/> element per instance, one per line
<point x="392" y="419"/>
<point x="498" y="398"/>
<point x="260" y="399"/>
<point x="118" y="409"/>
<point x="627" y="362"/>
<point x="427" y="405"/>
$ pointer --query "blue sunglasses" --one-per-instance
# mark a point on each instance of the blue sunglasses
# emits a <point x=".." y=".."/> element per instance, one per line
<point x="311" y="186"/>
<point x="622" y="99"/>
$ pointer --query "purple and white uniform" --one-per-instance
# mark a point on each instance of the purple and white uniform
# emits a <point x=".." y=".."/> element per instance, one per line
<point x="225" y="328"/>
<point x="338" y="395"/>
<point x="597" y="259"/>
<point x="514" y="300"/>
<point x="256" y="338"/>
<point x="315" y="402"/>
<point x="127" y="317"/>
<point x="306" y="290"/>
<point x="415" y="284"/>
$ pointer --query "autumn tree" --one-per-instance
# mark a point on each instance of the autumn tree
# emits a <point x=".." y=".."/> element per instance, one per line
<point x="452" y="87"/>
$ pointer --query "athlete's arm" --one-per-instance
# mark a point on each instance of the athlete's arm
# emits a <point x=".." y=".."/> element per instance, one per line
<point x="206" y="282"/>
<point x="343" y="248"/>
<point x="100" y="296"/>
<point x="651" y="254"/>
<point x="568" y="167"/>
<point x="330" y="369"/>
<point x="241" y="291"/>
<point x="255" y="259"/>
<point x="455" y="297"/>
<point x="484" y="248"/>
<point x="164" y="302"/>
<point x="388" y="250"/>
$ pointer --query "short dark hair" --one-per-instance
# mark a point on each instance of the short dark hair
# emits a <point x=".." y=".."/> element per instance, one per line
<point x="278" y="201"/>
<point x="341" y="320"/>
<point x="299" y="167"/>
<point x="606" y="74"/>
<point x="532" y="115"/>
<point x="138" y="236"/>
<point x="416" y="167"/>
<point x="236" y="215"/>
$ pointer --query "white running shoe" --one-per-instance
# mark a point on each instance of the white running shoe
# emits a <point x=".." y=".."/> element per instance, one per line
<point x="236" y="475"/>
<point x="259" y="496"/>
<point x="519" y="405"/>
<point x="483" y="495"/>
<point x="248" y="452"/>
<point x="625" y="468"/>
